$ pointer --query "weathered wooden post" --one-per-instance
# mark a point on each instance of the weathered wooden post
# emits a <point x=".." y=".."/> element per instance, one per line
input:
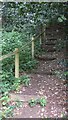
<point x="32" y="47"/>
<point x="40" y="40"/>
<point x="16" y="63"/>
<point x="45" y="31"/>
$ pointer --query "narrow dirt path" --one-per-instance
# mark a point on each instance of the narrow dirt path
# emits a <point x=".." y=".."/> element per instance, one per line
<point x="49" y="86"/>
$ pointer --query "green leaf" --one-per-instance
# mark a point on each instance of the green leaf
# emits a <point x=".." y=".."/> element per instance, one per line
<point x="42" y="102"/>
<point x="32" y="102"/>
<point x="60" y="19"/>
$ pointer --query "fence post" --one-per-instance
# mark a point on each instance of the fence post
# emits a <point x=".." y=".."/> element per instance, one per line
<point x="32" y="47"/>
<point x="45" y="31"/>
<point x="17" y="63"/>
<point x="40" y="40"/>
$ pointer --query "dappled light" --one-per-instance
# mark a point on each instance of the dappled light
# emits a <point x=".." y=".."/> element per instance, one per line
<point x="34" y="60"/>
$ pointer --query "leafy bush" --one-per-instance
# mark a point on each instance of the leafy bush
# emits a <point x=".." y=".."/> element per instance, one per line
<point x="7" y="80"/>
<point x="25" y="79"/>
<point x="8" y="111"/>
<point x="12" y="40"/>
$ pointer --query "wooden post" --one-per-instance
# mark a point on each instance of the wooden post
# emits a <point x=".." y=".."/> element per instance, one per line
<point x="40" y="40"/>
<point x="17" y="63"/>
<point x="40" y="36"/>
<point x="32" y="47"/>
<point x="44" y="32"/>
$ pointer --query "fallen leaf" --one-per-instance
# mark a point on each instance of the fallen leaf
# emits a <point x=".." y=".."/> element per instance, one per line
<point x="43" y="110"/>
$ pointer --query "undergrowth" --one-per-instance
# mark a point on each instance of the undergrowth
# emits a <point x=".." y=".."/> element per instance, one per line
<point x="10" y="41"/>
<point x="41" y="101"/>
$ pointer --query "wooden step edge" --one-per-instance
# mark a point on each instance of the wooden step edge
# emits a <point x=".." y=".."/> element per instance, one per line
<point x="54" y="50"/>
<point x="51" y="50"/>
<point x="48" y="47"/>
<point x="51" y="39"/>
<point x="43" y="73"/>
<point x="50" y="44"/>
<point x="45" y="58"/>
<point x="23" y="98"/>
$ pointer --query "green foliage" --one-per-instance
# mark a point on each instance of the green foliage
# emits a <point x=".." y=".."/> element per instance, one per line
<point x="32" y="102"/>
<point x="19" y="103"/>
<point x="66" y="73"/>
<point x="12" y="40"/>
<point x="16" y="84"/>
<point x="22" y="80"/>
<point x="25" y="79"/>
<point x="7" y="108"/>
<point x="41" y="101"/>
<point x="29" y="65"/>
<point x="4" y="100"/>
<point x="17" y="14"/>
<point x="7" y="80"/>
<point x="20" y="22"/>
<point x="8" y="111"/>
<point x="61" y="18"/>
